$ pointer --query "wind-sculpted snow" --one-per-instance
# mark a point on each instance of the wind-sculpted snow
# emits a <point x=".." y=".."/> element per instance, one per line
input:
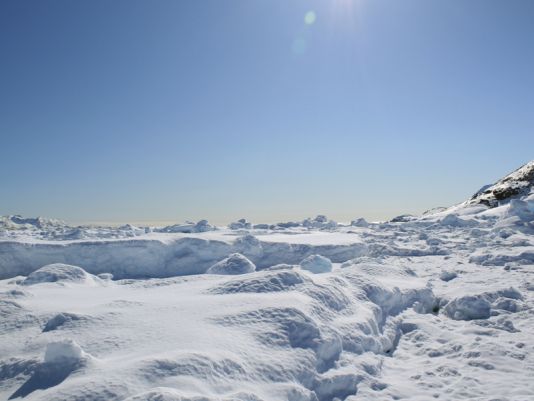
<point x="270" y="281"/>
<point x="163" y="256"/>
<point x="58" y="273"/>
<point x="61" y="320"/>
<point x="417" y="308"/>
<point x="233" y="264"/>
<point x="286" y="345"/>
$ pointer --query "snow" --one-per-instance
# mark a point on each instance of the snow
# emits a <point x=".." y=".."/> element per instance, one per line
<point x="58" y="272"/>
<point x="63" y="352"/>
<point x="431" y="307"/>
<point x="468" y="308"/>
<point x="233" y="264"/>
<point x="316" y="264"/>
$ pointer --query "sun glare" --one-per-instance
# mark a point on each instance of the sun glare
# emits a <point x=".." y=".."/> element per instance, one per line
<point x="310" y="17"/>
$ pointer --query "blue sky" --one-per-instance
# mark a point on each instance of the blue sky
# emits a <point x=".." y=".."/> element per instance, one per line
<point x="171" y="110"/>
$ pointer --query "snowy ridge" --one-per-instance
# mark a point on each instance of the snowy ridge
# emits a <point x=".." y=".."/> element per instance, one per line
<point x="156" y="256"/>
<point x="433" y="307"/>
<point x="516" y="184"/>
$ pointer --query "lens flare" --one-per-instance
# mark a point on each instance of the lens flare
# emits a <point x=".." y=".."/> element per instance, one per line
<point x="310" y="17"/>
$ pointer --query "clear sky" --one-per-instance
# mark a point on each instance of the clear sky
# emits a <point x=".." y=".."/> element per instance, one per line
<point x="266" y="109"/>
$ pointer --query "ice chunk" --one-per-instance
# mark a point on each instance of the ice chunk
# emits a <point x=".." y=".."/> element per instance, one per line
<point x="320" y="222"/>
<point x="63" y="352"/>
<point x="188" y="227"/>
<point x="316" y="264"/>
<point x="361" y="222"/>
<point x="447" y="275"/>
<point x="59" y="320"/>
<point x="241" y="224"/>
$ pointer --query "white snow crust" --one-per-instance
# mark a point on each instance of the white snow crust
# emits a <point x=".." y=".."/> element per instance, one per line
<point x="438" y="306"/>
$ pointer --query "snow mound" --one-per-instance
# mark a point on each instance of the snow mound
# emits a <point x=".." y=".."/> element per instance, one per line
<point x="233" y="264"/>
<point x="468" y="308"/>
<point x="522" y="209"/>
<point x="58" y="272"/>
<point x="502" y="259"/>
<point x="269" y="281"/>
<point x="279" y="326"/>
<point x="316" y="264"/>
<point x="64" y="352"/>
<point x="453" y="220"/>
<point x="482" y="306"/>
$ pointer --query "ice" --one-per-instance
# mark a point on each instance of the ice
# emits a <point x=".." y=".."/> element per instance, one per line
<point x="316" y="264"/>
<point x="241" y="224"/>
<point x="60" y="320"/>
<point x="360" y="222"/>
<point x="63" y="352"/>
<point x="320" y="222"/>
<point x="188" y="227"/>
<point x="448" y="275"/>
<point x="437" y="306"/>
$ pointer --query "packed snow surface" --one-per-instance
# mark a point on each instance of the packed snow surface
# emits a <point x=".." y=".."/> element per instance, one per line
<point x="418" y="308"/>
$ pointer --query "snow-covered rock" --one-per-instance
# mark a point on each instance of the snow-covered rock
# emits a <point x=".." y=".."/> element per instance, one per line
<point x="518" y="183"/>
<point x="403" y="218"/>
